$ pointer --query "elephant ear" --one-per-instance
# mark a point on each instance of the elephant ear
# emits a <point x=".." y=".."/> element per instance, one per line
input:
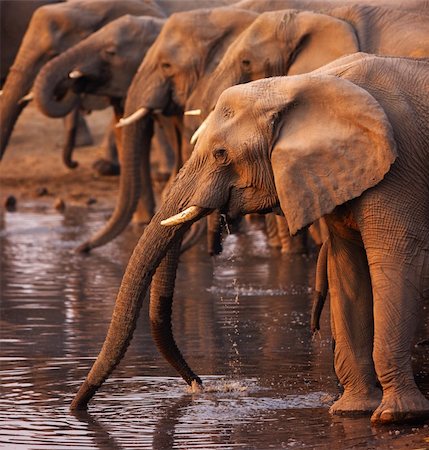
<point x="332" y="141"/>
<point x="318" y="39"/>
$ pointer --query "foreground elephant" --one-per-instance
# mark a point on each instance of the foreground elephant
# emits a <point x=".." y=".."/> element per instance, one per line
<point x="342" y="142"/>
<point x="291" y="42"/>
<point x="186" y="51"/>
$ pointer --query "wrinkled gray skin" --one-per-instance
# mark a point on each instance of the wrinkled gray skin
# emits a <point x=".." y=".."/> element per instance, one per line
<point x="268" y="144"/>
<point x="107" y="61"/>
<point x="52" y="30"/>
<point x="188" y="48"/>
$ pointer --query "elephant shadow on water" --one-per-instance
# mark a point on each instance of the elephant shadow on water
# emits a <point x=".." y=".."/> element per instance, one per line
<point x="330" y="143"/>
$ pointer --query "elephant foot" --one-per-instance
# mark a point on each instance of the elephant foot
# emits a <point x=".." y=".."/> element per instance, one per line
<point x="106" y="168"/>
<point x="403" y="407"/>
<point x="356" y="404"/>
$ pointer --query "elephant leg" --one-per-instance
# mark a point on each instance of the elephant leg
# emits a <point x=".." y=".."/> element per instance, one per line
<point x="272" y="231"/>
<point x="352" y="325"/>
<point x="398" y="304"/>
<point x="83" y="134"/>
<point x="291" y="244"/>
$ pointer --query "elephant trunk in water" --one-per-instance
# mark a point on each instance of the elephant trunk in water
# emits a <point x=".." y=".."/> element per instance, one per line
<point x="135" y="167"/>
<point x="152" y="247"/>
<point x="160" y="311"/>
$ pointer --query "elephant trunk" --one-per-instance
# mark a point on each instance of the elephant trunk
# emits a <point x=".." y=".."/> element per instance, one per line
<point x="149" y="252"/>
<point x="214" y="233"/>
<point x="160" y="311"/>
<point x="135" y="167"/>
<point x="53" y="92"/>
<point x="18" y="84"/>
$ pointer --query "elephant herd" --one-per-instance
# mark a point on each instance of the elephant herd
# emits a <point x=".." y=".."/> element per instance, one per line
<point x="302" y="110"/>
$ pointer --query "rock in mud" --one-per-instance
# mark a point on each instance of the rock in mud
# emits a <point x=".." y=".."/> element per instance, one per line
<point x="10" y="203"/>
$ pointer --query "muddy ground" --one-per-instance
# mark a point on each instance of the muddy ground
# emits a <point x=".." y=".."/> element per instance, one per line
<point x="33" y="163"/>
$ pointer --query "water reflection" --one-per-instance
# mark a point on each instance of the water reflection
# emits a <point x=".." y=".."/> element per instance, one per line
<point x="241" y="319"/>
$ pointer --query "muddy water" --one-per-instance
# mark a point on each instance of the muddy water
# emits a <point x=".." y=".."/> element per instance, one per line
<point x="241" y="319"/>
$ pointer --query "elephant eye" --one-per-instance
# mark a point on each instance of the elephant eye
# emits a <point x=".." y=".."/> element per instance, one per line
<point x="220" y="155"/>
<point x="245" y="63"/>
<point x="110" y="51"/>
<point x="166" y="65"/>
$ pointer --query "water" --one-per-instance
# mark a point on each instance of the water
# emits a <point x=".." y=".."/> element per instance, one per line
<point x="241" y="320"/>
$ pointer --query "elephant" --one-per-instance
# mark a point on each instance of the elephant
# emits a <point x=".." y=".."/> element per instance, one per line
<point x="343" y="143"/>
<point x="320" y="5"/>
<point x="55" y="28"/>
<point x="186" y="51"/>
<point x="14" y="19"/>
<point x="103" y="64"/>
<point x="290" y="42"/>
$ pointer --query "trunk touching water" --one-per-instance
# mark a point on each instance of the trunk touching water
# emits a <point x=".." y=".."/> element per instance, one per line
<point x="135" y="167"/>
<point x="160" y="312"/>
<point x="52" y="89"/>
<point x="150" y="250"/>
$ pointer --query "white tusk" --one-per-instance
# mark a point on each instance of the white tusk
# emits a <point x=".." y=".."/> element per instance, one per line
<point x="27" y="98"/>
<point x="75" y="74"/>
<point x="193" y="112"/>
<point x="184" y="216"/>
<point x="198" y="132"/>
<point x="1" y="92"/>
<point x="141" y="112"/>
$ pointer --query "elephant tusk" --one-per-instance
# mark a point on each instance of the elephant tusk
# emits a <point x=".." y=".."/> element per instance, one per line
<point x="139" y="114"/>
<point x="192" y="112"/>
<point x="184" y="216"/>
<point x="75" y="74"/>
<point x="198" y="132"/>
<point x="1" y="92"/>
<point x="26" y="98"/>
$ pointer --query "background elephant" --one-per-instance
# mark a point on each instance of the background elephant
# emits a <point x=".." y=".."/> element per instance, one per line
<point x="55" y="28"/>
<point x="103" y="64"/>
<point x="52" y="30"/>
<point x="320" y="144"/>
<point x="186" y="51"/>
<point x="273" y="5"/>
<point x="14" y="19"/>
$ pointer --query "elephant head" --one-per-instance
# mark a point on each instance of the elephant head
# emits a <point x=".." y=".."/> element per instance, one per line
<point x="187" y="49"/>
<point x="280" y="43"/>
<point x="52" y="30"/>
<point x="306" y="143"/>
<point x="102" y="64"/>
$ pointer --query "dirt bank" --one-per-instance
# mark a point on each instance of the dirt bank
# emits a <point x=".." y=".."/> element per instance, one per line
<point x="32" y="163"/>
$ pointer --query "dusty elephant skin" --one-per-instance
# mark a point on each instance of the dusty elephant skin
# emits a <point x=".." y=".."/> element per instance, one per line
<point x="178" y="62"/>
<point x="348" y="116"/>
